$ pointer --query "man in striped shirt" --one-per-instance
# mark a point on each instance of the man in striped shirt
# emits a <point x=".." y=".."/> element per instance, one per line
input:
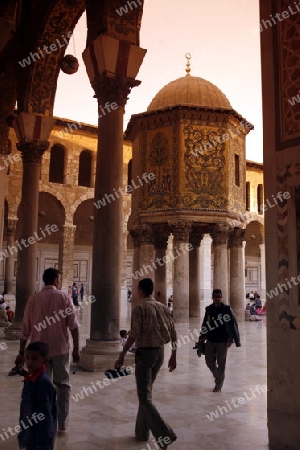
<point x="151" y="327"/>
<point x="48" y="317"/>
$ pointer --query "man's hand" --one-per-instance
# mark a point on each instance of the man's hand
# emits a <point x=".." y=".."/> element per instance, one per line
<point x="172" y="362"/>
<point x="229" y="343"/>
<point x="75" y="355"/>
<point x="20" y="360"/>
<point x="120" y="361"/>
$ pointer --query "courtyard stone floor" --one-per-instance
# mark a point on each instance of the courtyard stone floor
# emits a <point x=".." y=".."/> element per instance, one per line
<point x="105" y="418"/>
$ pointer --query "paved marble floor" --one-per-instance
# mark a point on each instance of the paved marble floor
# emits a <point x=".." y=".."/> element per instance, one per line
<point x="105" y="418"/>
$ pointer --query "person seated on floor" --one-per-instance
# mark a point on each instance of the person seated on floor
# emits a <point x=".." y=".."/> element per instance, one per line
<point x="257" y="301"/>
<point x="3" y="317"/>
<point x="261" y="311"/>
<point x="247" y="312"/>
<point x="253" y="315"/>
<point x="10" y="313"/>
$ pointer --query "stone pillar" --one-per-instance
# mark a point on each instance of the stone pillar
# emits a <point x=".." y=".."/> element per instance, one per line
<point x="3" y="191"/>
<point x="26" y="268"/>
<point x="262" y="292"/>
<point x="205" y="271"/>
<point x="66" y="255"/>
<point x="9" y="261"/>
<point x="160" y="247"/>
<point x="220" y="240"/>
<point x="147" y="265"/>
<point x="112" y="79"/>
<point x="181" y="231"/>
<point x="135" y="266"/>
<point x="237" y="272"/>
<point x="32" y="132"/>
<point x="194" y="274"/>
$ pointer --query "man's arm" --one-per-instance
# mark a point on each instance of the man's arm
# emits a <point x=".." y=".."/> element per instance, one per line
<point x="75" y="337"/>
<point x="20" y="359"/>
<point x="127" y="346"/>
<point x="25" y="334"/>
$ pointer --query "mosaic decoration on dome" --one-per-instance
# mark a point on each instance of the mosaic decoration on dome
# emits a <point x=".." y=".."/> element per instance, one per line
<point x="289" y="54"/>
<point x="205" y="163"/>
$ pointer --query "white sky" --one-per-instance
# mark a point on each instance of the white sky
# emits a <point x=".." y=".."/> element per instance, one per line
<point x="224" y="49"/>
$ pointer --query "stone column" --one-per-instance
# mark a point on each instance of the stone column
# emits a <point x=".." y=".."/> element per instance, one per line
<point x="9" y="261"/>
<point x="112" y="76"/>
<point x="135" y="266"/>
<point x="220" y="240"/>
<point x="237" y="272"/>
<point x="66" y="255"/>
<point x="147" y="265"/>
<point x="26" y="268"/>
<point x="262" y="292"/>
<point x="205" y="271"/>
<point x="32" y="132"/>
<point x="3" y="191"/>
<point x="181" y="231"/>
<point x="194" y="274"/>
<point x="160" y="247"/>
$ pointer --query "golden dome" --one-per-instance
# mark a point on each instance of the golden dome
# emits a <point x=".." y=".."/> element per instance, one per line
<point x="190" y="91"/>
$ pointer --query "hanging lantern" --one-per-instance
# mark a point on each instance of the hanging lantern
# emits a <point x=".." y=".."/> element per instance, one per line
<point x="69" y="64"/>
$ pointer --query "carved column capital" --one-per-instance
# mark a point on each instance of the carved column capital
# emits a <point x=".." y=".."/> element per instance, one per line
<point x="32" y="152"/>
<point x="146" y="234"/>
<point x="220" y="234"/>
<point x="113" y="89"/>
<point x="195" y="238"/>
<point x="135" y="236"/>
<point x="181" y="230"/>
<point x="237" y="237"/>
<point x="161" y="236"/>
<point x="11" y="225"/>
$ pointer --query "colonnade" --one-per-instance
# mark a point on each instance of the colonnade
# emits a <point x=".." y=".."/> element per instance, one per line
<point x="191" y="257"/>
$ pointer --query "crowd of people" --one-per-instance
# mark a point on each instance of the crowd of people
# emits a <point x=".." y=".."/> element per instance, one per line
<point x="46" y="391"/>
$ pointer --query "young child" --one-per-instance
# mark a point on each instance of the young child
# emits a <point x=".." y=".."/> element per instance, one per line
<point x="38" y="411"/>
<point x="10" y="314"/>
<point x="124" y="336"/>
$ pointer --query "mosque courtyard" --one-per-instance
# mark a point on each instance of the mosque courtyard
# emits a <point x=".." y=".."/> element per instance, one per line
<point x="103" y="416"/>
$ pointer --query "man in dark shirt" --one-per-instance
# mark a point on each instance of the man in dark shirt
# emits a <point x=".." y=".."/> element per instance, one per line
<point x="219" y="329"/>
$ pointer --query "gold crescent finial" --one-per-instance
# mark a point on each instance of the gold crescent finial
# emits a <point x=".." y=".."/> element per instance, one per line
<point x="188" y="65"/>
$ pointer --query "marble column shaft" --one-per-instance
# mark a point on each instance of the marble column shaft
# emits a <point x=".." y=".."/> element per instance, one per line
<point x="220" y="242"/>
<point x="237" y="272"/>
<point x="9" y="261"/>
<point x="181" y="232"/>
<point x="147" y="266"/>
<point x="66" y="255"/>
<point x="160" y="247"/>
<point x="28" y="212"/>
<point x="135" y="266"/>
<point x="194" y="275"/>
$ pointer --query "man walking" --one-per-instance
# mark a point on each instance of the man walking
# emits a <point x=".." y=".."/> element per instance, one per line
<point x="219" y="329"/>
<point x="48" y="317"/>
<point x="151" y="328"/>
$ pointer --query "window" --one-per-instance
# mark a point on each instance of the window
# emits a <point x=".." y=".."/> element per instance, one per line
<point x="57" y="164"/>
<point x="259" y="198"/>
<point x="85" y="168"/>
<point x="248" y="196"/>
<point x="237" y="169"/>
